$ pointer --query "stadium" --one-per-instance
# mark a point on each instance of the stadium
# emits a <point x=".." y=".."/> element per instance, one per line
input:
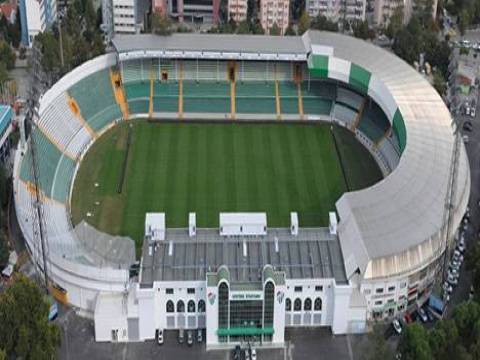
<point x="261" y="182"/>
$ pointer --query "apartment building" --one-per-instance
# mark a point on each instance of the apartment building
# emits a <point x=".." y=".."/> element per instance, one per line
<point x="337" y="10"/>
<point x="274" y="12"/>
<point x="35" y="17"/>
<point x="237" y="10"/>
<point x="384" y="9"/>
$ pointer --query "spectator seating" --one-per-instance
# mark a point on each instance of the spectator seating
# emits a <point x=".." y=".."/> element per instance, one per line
<point x="99" y="110"/>
<point x="138" y="97"/>
<point x="206" y="96"/>
<point x="374" y="123"/>
<point x="255" y="97"/>
<point x="165" y="96"/>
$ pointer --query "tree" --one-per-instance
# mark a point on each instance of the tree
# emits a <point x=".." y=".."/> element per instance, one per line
<point x="4" y="253"/>
<point x="304" y="23"/>
<point x="395" y="23"/>
<point x="243" y="27"/>
<point x="439" y="83"/>
<point x="361" y="30"/>
<point x="322" y="23"/>
<point x="3" y="77"/>
<point x="463" y="21"/>
<point x="298" y="8"/>
<point x="406" y="46"/>
<point x="275" y="30"/>
<point x="414" y="343"/>
<point x="7" y="56"/>
<point x="377" y="346"/>
<point x="26" y="331"/>
<point x="290" y="31"/>
<point x="161" y="24"/>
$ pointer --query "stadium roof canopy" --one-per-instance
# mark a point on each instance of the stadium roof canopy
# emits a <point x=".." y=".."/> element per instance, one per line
<point x="398" y="224"/>
<point x="314" y="253"/>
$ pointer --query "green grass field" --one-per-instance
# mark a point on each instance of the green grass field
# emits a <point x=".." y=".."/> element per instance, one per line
<point x="178" y="168"/>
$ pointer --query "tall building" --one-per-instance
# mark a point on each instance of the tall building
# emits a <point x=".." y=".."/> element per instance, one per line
<point x="123" y="16"/>
<point x="337" y="10"/>
<point x="36" y="16"/>
<point x="237" y="10"/>
<point x="199" y="11"/>
<point x="274" y="12"/>
<point x="384" y="9"/>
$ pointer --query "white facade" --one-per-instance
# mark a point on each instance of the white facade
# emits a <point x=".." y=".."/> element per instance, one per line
<point x="124" y="16"/>
<point x="35" y="17"/>
<point x="337" y="10"/>
<point x="155" y="226"/>
<point x="243" y="224"/>
<point x="237" y="10"/>
<point x="274" y="12"/>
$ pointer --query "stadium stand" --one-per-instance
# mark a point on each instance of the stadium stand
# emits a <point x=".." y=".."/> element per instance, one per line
<point x="374" y="123"/>
<point x="61" y="125"/>
<point x="165" y="96"/>
<point x="138" y="96"/>
<point x="255" y="97"/>
<point x="132" y="71"/>
<point x="288" y="97"/>
<point x="102" y="109"/>
<point x="345" y="114"/>
<point x="349" y="98"/>
<point x="206" y="96"/>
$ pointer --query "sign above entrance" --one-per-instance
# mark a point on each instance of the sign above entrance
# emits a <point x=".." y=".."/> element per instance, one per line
<point x="246" y="295"/>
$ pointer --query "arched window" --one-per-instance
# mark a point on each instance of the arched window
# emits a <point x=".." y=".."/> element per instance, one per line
<point x="180" y="306"/>
<point x="170" y="307"/>
<point x="288" y="305"/>
<point x="201" y="306"/>
<point x="191" y="306"/>
<point x="297" y="305"/>
<point x="318" y="304"/>
<point x="307" y="304"/>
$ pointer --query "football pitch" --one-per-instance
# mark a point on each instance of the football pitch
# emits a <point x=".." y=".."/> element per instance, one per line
<point x="209" y="168"/>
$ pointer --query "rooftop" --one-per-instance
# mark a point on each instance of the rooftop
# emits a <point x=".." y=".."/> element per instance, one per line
<point x="314" y="253"/>
<point x="6" y="114"/>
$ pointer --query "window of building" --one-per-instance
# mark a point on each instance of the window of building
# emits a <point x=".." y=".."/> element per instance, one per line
<point x="367" y="291"/>
<point x="170" y="307"/>
<point x="379" y="290"/>
<point x="180" y="306"/>
<point x="307" y="304"/>
<point x="391" y="288"/>
<point x="378" y="302"/>
<point x="297" y="289"/>
<point x="169" y="291"/>
<point x="191" y="306"/>
<point x="403" y="285"/>
<point x="191" y="291"/>
<point x="297" y="305"/>
<point x="319" y="288"/>
<point x="269" y="302"/>
<point x="223" y="305"/>
<point x="201" y="306"/>
<point x="317" y="306"/>
<point x="288" y="305"/>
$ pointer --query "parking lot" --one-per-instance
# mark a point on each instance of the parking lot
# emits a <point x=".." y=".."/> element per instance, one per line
<point x="309" y="343"/>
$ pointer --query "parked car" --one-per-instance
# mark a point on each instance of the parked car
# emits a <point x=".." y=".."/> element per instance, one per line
<point x="253" y="354"/>
<point x="461" y="248"/>
<point x="467" y="126"/>
<point x="408" y="319"/>
<point x="397" y="326"/>
<point x="237" y="353"/>
<point x="199" y="335"/>
<point x="181" y="336"/>
<point x="457" y="255"/>
<point x="422" y="315"/>
<point x="454" y="273"/>
<point x="447" y="288"/>
<point x="465" y="139"/>
<point x="190" y="337"/>
<point x="472" y="112"/>
<point x="472" y="293"/>
<point x="452" y="280"/>
<point x="160" y="337"/>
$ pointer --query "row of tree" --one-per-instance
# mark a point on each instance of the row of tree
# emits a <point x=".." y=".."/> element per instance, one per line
<point x="25" y="332"/>
<point x="80" y="36"/>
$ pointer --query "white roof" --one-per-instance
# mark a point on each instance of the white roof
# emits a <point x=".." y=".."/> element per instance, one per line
<point x="155" y="221"/>
<point x="394" y="226"/>
<point x="250" y="218"/>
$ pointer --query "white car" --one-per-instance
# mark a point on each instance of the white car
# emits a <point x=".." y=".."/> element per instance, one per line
<point x="467" y="110"/>
<point x="160" y="337"/>
<point x="457" y="255"/>
<point x="423" y="315"/>
<point x="454" y="273"/>
<point x="465" y="139"/>
<point x="447" y="288"/>
<point x="396" y="326"/>
<point x="461" y="248"/>
<point x="254" y="354"/>
<point x="472" y="112"/>
<point x="452" y="280"/>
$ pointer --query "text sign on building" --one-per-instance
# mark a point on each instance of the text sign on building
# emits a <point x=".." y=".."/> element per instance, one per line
<point x="246" y="295"/>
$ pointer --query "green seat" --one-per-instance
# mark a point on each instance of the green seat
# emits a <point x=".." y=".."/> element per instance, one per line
<point x="94" y="95"/>
<point x="206" y="96"/>
<point x="165" y="97"/>
<point x="255" y="97"/>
